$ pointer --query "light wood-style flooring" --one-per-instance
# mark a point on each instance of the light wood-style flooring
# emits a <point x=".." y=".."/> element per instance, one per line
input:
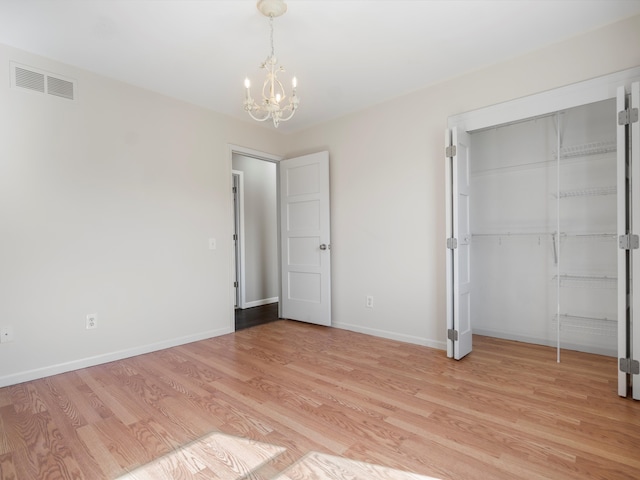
<point x="298" y="391"/>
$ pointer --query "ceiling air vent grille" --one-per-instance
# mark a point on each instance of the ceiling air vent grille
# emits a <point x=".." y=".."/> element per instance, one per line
<point x="36" y="80"/>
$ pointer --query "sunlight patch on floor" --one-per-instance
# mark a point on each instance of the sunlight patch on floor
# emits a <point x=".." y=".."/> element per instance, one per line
<point x="224" y="457"/>
<point x="216" y="456"/>
<point x="320" y="466"/>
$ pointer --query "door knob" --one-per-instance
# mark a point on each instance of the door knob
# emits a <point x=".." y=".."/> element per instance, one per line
<point x="324" y="246"/>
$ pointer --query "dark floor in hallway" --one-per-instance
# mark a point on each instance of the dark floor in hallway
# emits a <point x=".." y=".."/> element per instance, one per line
<point x="250" y="317"/>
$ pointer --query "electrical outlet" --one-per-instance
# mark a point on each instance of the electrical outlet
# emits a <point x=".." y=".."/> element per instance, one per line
<point x="369" y="302"/>
<point x="92" y="321"/>
<point x="6" y="334"/>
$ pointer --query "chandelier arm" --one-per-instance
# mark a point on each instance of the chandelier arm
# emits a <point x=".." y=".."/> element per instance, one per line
<point x="284" y="119"/>
<point x="258" y="119"/>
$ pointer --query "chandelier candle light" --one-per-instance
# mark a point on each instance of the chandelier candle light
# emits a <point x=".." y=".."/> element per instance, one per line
<point x="273" y="94"/>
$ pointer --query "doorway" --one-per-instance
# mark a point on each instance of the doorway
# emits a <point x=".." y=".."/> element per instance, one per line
<point x="303" y="233"/>
<point x="255" y="239"/>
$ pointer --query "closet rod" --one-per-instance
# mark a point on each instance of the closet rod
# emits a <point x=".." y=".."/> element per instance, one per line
<point x="580" y="317"/>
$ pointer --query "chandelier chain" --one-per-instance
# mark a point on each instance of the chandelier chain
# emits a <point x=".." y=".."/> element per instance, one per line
<point x="271" y="25"/>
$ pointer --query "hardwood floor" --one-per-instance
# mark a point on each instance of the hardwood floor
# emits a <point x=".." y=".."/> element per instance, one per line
<point x="507" y="411"/>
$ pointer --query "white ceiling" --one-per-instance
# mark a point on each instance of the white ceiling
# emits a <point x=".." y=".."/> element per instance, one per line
<point x="347" y="54"/>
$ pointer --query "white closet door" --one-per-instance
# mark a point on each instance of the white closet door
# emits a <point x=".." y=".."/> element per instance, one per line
<point x="634" y="138"/>
<point x="459" y="334"/>
<point x="305" y="239"/>
<point x="628" y="148"/>
<point x="622" y="230"/>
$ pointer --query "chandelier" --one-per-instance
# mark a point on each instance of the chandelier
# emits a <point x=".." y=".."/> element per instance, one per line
<point x="273" y="93"/>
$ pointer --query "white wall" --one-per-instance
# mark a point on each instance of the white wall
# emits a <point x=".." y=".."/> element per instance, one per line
<point x="260" y="229"/>
<point x="387" y="181"/>
<point x="106" y="206"/>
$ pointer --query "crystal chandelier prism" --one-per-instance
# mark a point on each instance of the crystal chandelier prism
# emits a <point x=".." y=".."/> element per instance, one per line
<point x="273" y="103"/>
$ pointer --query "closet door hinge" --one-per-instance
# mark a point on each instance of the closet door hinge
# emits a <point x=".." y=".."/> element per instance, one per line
<point x="453" y="336"/>
<point x="629" y="242"/>
<point x="450" y="151"/>
<point x="235" y="284"/>
<point x="235" y="237"/>
<point x="452" y="243"/>
<point x="630" y="366"/>
<point x="628" y="116"/>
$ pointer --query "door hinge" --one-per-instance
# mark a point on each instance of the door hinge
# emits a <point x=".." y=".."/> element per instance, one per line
<point x="235" y="284"/>
<point x="235" y="236"/>
<point x="452" y="243"/>
<point x="630" y="366"/>
<point x="629" y="242"/>
<point x="234" y="189"/>
<point x="450" y="151"/>
<point x="452" y="335"/>
<point x="628" y="116"/>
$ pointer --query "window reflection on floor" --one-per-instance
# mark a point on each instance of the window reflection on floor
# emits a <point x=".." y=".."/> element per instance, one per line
<point x="218" y="456"/>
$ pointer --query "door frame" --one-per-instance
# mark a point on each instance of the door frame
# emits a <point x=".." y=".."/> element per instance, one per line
<point x="239" y="246"/>
<point x="267" y="157"/>
<point x="573" y="95"/>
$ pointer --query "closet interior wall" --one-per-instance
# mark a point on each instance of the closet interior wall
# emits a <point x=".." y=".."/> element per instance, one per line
<point x="544" y="248"/>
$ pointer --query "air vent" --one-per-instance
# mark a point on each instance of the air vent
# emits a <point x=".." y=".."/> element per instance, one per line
<point x="59" y="87"/>
<point x="36" y="80"/>
<point x="28" y="79"/>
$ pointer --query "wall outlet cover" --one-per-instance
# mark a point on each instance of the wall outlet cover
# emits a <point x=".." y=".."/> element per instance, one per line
<point x="6" y="334"/>
<point x="92" y="321"/>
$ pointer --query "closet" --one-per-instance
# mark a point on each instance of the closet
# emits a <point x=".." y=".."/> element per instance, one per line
<point x="543" y="229"/>
<point x="540" y="237"/>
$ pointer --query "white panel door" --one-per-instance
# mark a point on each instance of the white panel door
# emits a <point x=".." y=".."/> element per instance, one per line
<point x="459" y="336"/>
<point x="305" y="239"/>
<point x="634" y="153"/>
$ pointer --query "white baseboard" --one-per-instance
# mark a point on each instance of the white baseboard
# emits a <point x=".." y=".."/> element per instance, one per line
<point x="548" y="343"/>
<point x="34" y="374"/>
<point x="259" y="303"/>
<point x="425" y="342"/>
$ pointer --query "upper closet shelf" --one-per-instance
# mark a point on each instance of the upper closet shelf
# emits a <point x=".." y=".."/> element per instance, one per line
<point x="589" y="192"/>
<point x="587" y="149"/>
<point x="574" y="153"/>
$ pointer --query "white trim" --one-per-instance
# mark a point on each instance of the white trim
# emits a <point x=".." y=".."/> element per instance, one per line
<point x="242" y="283"/>
<point x="259" y="303"/>
<point x="47" y="371"/>
<point x="574" y="95"/>
<point x="546" y="342"/>
<point x="425" y="342"/>
<point x="249" y="152"/>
